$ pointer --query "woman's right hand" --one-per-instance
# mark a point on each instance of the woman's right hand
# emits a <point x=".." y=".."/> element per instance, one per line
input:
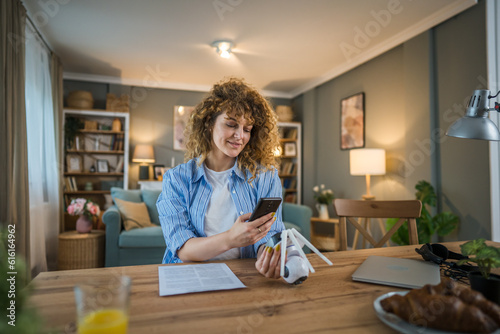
<point x="244" y="233"/>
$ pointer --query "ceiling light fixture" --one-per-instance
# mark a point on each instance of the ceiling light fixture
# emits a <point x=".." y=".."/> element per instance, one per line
<point x="223" y="48"/>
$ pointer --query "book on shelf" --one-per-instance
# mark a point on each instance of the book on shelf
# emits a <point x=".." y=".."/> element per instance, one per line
<point x="70" y="183"/>
<point x="119" y="165"/>
<point x="291" y="198"/>
<point x="288" y="168"/>
<point x="291" y="134"/>
<point x="118" y="142"/>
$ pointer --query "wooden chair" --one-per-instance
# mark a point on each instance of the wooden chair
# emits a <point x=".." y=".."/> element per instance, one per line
<point x="348" y="210"/>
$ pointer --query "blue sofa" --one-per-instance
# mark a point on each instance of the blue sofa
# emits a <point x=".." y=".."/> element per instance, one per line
<point x="147" y="245"/>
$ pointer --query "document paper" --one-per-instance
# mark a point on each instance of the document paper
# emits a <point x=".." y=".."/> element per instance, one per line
<point x="176" y="280"/>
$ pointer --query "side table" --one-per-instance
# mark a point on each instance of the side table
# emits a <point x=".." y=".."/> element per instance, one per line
<point x="329" y="242"/>
<point x="81" y="250"/>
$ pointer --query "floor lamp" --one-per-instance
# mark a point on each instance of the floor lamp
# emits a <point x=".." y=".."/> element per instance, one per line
<point x="367" y="161"/>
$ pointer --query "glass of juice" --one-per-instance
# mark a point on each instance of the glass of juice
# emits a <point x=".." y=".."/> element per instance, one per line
<point x="102" y="305"/>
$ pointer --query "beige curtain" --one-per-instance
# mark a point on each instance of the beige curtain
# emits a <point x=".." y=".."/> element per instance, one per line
<point x="56" y="74"/>
<point x="14" y="199"/>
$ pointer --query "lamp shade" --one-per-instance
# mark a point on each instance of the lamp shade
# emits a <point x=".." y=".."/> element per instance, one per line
<point x="474" y="128"/>
<point x="367" y="161"/>
<point x="144" y="154"/>
<point x="476" y="124"/>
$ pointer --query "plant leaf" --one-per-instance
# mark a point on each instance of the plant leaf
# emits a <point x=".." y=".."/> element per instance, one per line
<point x="472" y="247"/>
<point x="425" y="193"/>
<point x="445" y="223"/>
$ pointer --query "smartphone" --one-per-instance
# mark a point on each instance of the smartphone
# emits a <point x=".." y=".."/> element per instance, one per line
<point x="265" y="206"/>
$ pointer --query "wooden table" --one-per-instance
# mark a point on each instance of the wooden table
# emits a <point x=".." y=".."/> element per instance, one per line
<point x="328" y="301"/>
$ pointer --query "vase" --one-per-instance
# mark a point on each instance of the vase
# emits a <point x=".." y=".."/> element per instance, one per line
<point x="323" y="211"/>
<point x="489" y="287"/>
<point x="84" y="224"/>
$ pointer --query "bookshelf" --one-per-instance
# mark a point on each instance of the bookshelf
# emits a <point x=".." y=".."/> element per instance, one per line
<point x="96" y="155"/>
<point x="290" y="171"/>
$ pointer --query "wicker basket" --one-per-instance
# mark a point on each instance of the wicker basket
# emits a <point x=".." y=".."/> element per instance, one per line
<point x="81" y="250"/>
<point x="80" y="99"/>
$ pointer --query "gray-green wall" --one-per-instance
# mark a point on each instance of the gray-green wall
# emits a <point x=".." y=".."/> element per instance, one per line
<point x="412" y="91"/>
<point x="409" y="92"/>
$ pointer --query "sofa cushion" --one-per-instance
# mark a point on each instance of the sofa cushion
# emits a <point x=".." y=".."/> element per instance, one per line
<point x="290" y="225"/>
<point x="150" y="197"/>
<point x="142" y="237"/>
<point x="126" y="195"/>
<point x="135" y="215"/>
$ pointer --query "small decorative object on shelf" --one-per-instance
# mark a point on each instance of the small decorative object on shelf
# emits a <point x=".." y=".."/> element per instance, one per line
<point x="117" y="103"/>
<point x="86" y="209"/>
<point x="323" y="197"/>
<point x="80" y="99"/>
<point x="116" y="125"/>
<point x="285" y="113"/>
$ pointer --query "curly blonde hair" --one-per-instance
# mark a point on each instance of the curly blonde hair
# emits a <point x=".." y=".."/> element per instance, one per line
<point x="238" y="99"/>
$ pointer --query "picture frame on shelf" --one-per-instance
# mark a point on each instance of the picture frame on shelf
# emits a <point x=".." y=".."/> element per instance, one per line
<point x="158" y="175"/>
<point x="164" y="170"/>
<point x="102" y="166"/>
<point x="74" y="163"/>
<point x="181" y="117"/>
<point x="352" y="122"/>
<point x="290" y="150"/>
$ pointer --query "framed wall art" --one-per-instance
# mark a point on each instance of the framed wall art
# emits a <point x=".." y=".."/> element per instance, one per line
<point x="181" y="117"/>
<point x="352" y="122"/>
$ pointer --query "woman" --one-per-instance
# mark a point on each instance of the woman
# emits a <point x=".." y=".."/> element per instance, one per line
<point x="205" y="203"/>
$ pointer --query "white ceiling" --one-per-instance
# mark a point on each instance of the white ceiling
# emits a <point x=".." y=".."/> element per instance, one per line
<point x="283" y="47"/>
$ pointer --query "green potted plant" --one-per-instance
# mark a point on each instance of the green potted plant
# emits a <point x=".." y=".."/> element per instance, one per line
<point x="71" y="127"/>
<point x="441" y="224"/>
<point x="486" y="257"/>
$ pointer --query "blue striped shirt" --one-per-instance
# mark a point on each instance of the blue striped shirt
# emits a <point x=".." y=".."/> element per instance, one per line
<point x="184" y="199"/>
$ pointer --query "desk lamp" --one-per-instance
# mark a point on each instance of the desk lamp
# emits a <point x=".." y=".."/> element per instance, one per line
<point x="367" y="161"/>
<point x="144" y="154"/>
<point x="476" y="124"/>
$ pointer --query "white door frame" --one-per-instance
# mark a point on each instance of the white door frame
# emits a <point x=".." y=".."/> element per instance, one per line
<point x="493" y="69"/>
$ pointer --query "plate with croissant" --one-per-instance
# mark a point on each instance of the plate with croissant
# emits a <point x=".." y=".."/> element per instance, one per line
<point x="448" y="307"/>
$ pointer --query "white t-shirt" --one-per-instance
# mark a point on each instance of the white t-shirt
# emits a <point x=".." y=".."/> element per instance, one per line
<point x="221" y="212"/>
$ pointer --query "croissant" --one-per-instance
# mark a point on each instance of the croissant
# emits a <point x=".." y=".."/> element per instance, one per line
<point x="446" y="306"/>
<point x="449" y="287"/>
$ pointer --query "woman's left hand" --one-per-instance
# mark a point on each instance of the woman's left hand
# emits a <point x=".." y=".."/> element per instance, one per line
<point x="269" y="261"/>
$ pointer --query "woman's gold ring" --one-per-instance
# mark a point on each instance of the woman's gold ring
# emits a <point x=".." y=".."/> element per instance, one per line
<point x="259" y="229"/>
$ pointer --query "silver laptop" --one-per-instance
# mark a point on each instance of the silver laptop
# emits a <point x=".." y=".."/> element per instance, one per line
<point x="404" y="273"/>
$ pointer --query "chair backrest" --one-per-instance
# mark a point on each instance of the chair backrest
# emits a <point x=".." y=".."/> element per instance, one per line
<point x="348" y="209"/>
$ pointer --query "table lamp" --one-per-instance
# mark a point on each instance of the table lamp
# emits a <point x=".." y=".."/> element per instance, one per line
<point x="144" y="154"/>
<point x="367" y="161"/>
<point x="476" y="124"/>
